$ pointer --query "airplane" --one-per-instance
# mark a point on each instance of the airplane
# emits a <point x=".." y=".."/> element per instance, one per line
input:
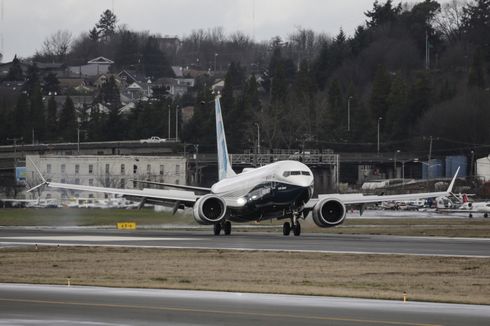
<point x="470" y="207"/>
<point x="281" y="190"/>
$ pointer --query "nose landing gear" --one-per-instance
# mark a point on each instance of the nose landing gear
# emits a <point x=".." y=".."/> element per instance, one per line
<point x="294" y="226"/>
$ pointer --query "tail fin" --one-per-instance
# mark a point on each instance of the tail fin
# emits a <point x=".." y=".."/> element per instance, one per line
<point x="224" y="166"/>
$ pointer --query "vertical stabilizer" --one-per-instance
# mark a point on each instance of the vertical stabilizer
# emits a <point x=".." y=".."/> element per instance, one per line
<point x="224" y="166"/>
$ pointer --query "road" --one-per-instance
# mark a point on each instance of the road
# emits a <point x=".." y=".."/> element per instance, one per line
<point x="327" y="243"/>
<point x="22" y="304"/>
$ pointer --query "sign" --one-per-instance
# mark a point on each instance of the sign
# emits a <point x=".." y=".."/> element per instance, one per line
<point x="126" y="226"/>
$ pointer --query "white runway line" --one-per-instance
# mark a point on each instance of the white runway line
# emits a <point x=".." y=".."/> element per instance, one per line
<point x="95" y="238"/>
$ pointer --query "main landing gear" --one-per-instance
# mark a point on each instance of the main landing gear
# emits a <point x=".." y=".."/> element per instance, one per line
<point x="293" y="226"/>
<point x="226" y="226"/>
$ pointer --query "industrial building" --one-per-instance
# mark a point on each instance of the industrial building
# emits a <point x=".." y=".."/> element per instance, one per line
<point x="115" y="171"/>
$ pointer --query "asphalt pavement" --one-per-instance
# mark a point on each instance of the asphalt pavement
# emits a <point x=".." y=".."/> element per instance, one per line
<point x="22" y="304"/>
<point x="327" y="243"/>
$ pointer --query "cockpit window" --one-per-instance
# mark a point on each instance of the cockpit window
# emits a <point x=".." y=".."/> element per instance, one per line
<point x="288" y="173"/>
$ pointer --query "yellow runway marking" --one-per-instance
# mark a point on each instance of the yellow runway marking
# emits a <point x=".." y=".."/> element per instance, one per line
<point x="227" y="312"/>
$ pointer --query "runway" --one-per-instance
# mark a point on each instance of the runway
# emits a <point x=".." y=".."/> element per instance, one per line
<point x="22" y="304"/>
<point x="327" y="243"/>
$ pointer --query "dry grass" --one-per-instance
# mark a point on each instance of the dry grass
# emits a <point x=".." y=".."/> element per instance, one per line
<point x="447" y="279"/>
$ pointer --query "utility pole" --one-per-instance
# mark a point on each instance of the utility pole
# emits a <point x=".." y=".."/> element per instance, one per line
<point x="379" y="120"/>
<point x="14" y="140"/>
<point x="348" y="113"/>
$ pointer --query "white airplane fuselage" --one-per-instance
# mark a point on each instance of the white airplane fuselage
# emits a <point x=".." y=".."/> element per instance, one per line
<point x="266" y="192"/>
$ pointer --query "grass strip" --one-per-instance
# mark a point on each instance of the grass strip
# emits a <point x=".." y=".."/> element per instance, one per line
<point x="443" y="279"/>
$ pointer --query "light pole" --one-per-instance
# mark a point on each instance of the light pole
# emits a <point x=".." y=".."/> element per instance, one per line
<point x="78" y="139"/>
<point x="215" y="56"/>
<point x="258" y="137"/>
<point x="177" y="123"/>
<point x="348" y="112"/>
<point x="394" y="163"/>
<point x="168" y="122"/>
<point x="379" y="120"/>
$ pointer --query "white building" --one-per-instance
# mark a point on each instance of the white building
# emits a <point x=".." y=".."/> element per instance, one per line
<point x="104" y="171"/>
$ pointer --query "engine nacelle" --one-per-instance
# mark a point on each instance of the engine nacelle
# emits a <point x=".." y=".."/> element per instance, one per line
<point x="209" y="209"/>
<point x="329" y="212"/>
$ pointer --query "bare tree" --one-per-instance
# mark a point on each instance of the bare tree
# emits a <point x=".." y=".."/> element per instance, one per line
<point x="57" y="44"/>
<point x="449" y="20"/>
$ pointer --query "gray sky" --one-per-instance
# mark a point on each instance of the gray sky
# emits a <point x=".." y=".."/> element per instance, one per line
<point x="26" y="23"/>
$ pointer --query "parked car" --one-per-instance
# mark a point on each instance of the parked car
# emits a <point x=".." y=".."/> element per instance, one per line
<point x="153" y="139"/>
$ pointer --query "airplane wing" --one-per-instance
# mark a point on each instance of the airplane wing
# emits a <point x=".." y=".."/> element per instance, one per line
<point x="353" y="199"/>
<point x="187" y="198"/>
<point x="173" y="185"/>
<point x="156" y="196"/>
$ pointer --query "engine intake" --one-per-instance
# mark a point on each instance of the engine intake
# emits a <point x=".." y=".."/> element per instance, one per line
<point x="329" y="212"/>
<point x="209" y="209"/>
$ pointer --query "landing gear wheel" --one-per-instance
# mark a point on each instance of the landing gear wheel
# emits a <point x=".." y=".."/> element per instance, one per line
<point x="286" y="228"/>
<point x="470" y="216"/>
<point x="217" y="229"/>
<point x="227" y="227"/>
<point x="485" y="215"/>
<point x="297" y="229"/>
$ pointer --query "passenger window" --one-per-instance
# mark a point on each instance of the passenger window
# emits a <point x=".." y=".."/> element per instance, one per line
<point x="295" y="173"/>
<point x="305" y="173"/>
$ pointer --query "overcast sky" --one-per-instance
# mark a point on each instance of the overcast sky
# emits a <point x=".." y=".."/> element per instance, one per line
<point x="26" y="23"/>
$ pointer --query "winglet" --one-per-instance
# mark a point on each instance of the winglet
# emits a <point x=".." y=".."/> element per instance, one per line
<point x="40" y="174"/>
<point x="451" y="185"/>
<point x="38" y="171"/>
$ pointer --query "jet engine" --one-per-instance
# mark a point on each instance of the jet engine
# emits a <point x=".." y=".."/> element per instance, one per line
<point x="209" y="209"/>
<point x="329" y="212"/>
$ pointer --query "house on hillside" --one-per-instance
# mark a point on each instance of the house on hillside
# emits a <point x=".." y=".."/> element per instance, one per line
<point x="93" y="67"/>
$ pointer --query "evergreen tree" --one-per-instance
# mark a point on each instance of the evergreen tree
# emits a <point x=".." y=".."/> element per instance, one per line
<point x="15" y="71"/>
<point x="37" y="113"/>
<point x="127" y="49"/>
<point x="21" y="117"/>
<point x="383" y="14"/>
<point x="94" y="34"/>
<point x="155" y="63"/>
<point x="51" y="84"/>
<point x="378" y="101"/>
<point x="68" y="121"/>
<point x="52" y="119"/>
<point x="476" y="75"/>
<point x="397" y="106"/>
<point x="107" y="24"/>
<point x="419" y="100"/>
<point x="476" y="24"/>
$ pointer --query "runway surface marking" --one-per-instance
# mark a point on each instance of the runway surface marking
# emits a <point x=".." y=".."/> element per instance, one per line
<point x="13" y="244"/>
<point x="228" y="312"/>
<point x="97" y="238"/>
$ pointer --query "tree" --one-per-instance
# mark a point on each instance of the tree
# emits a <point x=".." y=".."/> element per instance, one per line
<point x="56" y="46"/>
<point x="382" y="14"/>
<point x="94" y="34"/>
<point x="378" y="101"/>
<point x="155" y="63"/>
<point x="15" y="71"/>
<point x="51" y="84"/>
<point x="127" y="49"/>
<point x="107" y="24"/>
<point x="68" y="121"/>
<point x="476" y="75"/>
<point x="52" y="119"/>
<point x="449" y="22"/>
<point x="397" y="106"/>
<point x="476" y="24"/>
